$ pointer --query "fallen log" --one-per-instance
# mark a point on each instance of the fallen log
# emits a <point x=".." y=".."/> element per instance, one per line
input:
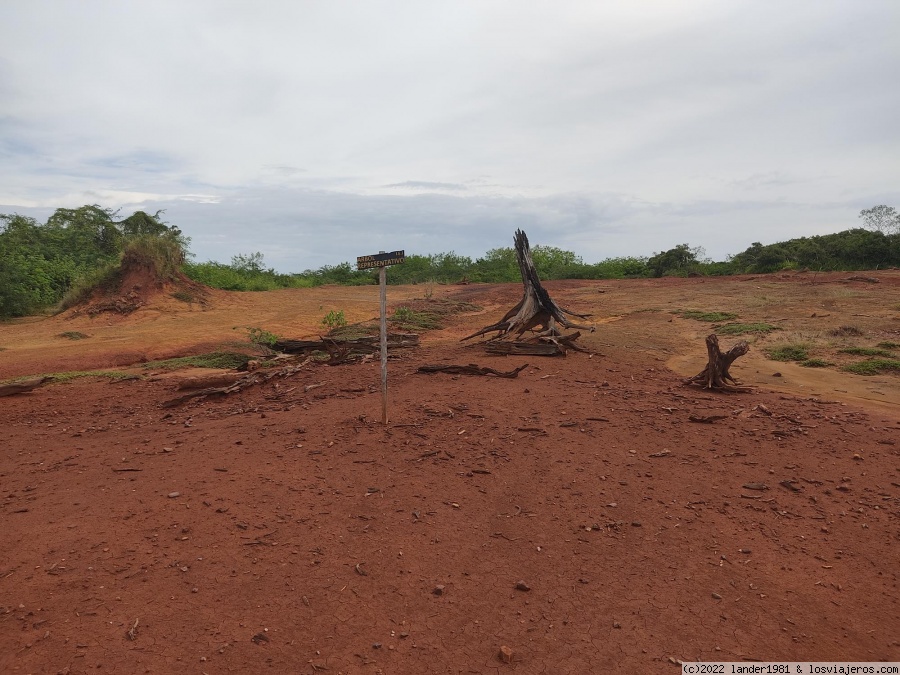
<point x="209" y="381"/>
<point x="715" y="375"/>
<point x="367" y="344"/>
<point x="524" y="348"/>
<point x="471" y="369"/>
<point x="23" y="386"/>
<point x="544" y="345"/>
<point x="241" y="383"/>
<point x="245" y="381"/>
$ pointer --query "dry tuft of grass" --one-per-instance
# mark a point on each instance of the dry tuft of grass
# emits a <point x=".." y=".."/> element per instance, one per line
<point x="846" y="331"/>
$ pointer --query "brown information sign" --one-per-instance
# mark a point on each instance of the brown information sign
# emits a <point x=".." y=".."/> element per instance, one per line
<point x="368" y="262"/>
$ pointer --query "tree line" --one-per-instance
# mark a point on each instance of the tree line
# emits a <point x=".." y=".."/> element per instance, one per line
<point x="40" y="263"/>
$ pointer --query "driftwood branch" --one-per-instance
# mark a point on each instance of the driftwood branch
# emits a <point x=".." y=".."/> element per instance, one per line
<point x="368" y="344"/>
<point x="210" y="381"/>
<point x="344" y="350"/>
<point x="241" y="383"/>
<point x="23" y="386"/>
<point x="471" y="369"/>
<point x="715" y="375"/>
<point x="540" y="345"/>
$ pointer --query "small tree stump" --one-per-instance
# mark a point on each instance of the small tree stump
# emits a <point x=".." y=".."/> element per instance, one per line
<point x="716" y="375"/>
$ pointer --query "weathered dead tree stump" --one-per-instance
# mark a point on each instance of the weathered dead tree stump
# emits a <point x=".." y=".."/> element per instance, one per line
<point x="536" y="309"/>
<point x="716" y="375"/>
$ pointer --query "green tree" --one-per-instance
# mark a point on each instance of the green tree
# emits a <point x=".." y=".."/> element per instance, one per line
<point x="881" y="218"/>
<point x="251" y="263"/>
<point x="674" y="262"/>
<point x="497" y="265"/>
<point x="89" y="233"/>
<point x="554" y="263"/>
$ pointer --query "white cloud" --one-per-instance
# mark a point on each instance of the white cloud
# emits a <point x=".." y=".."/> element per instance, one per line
<point x="613" y="128"/>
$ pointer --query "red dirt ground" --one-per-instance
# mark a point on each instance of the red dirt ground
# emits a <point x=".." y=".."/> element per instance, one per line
<point x="285" y="530"/>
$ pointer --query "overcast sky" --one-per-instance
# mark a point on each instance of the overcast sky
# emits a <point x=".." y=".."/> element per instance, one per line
<point x="315" y="132"/>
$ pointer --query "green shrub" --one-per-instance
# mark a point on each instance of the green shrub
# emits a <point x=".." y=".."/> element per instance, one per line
<point x="865" y="351"/>
<point x="80" y="291"/>
<point x="712" y="317"/>
<point x="334" y="319"/>
<point x="889" y="345"/>
<point x="815" y="363"/>
<point x="873" y="366"/>
<point x="259" y="336"/>
<point x="743" y="328"/>
<point x="788" y="352"/>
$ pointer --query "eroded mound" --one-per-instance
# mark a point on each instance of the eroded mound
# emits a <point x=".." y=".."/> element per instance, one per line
<point x="139" y="278"/>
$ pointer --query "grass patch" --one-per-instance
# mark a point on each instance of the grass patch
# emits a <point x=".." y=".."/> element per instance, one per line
<point x="410" y="319"/>
<point x="873" y="366"/>
<point x="846" y="331"/>
<point x="355" y="330"/>
<point x="815" y="363"/>
<point x="115" y="375"/>
<point x="72" y="335"/>
<point x="712" y="317"/>
<point x="219" y="360"/>
<point x="81" y="290"/>
<point x="865" y="351"/>
<point x="788" y="352"/>
<point x="744" y="328"/>
<point x="889" y="345"/>
<point x="416" y="315"/>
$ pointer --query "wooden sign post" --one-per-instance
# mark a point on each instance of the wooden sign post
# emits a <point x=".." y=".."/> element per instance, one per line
<point x="382" y="261"/>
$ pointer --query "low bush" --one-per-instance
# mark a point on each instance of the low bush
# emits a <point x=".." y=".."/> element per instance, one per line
<point x="712" y="317"/>
<point x="873" y="366"/>
<point x="788" y="352"/>
<point x="815" y="363"/>
<point x="219" y="360"/>
<point x="744" y="328"/>
<point x="334" y="319"/>
<point x="865" y="351"/>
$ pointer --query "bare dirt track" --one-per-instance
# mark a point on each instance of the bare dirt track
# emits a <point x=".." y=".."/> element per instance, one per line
<point x="284" y="530"/>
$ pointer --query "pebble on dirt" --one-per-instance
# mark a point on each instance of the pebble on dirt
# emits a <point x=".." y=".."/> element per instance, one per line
<point x="505" y="654"/>
<point x="522" y="586"/>
<point x="438" y="590"/>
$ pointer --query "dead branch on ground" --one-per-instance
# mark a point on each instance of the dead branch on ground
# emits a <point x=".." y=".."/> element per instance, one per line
<point x="23" y="386"/>
<point x="240" y="384"/>
<point x="471" y="369"/>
